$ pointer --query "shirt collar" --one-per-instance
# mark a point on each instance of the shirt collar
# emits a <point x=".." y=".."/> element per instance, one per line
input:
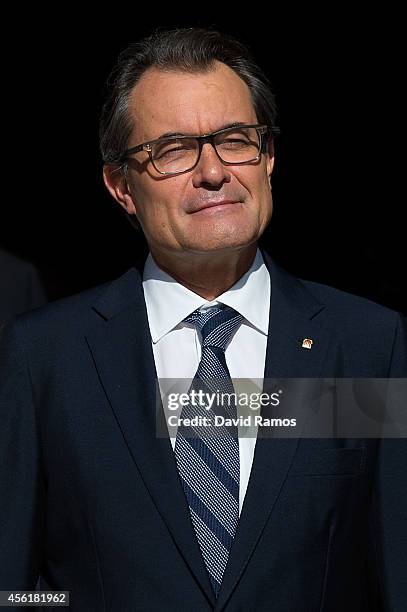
<point x="168" y="302"/>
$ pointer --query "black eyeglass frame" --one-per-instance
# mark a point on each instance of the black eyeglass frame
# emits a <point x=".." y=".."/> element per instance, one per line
<point x="262" y="130"/>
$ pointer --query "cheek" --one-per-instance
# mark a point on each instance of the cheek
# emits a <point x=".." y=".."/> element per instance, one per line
<point x="155" y="220"/>
<point x="158" y="207"/>
<point x="257" y="185"/>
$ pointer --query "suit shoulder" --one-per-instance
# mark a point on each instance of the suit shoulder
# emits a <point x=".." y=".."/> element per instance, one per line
<point x="73" y="314"/>
<point x="61" y="317"/>
<point x="333" y="296"/>
<point x="70" y="306"/>
<point x="352" y="309"/>
<point x="337" y="304"/>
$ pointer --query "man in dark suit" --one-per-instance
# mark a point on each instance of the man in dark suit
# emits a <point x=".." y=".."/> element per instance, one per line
<point x="92" y="500"/>
<point x="20" y="286"/>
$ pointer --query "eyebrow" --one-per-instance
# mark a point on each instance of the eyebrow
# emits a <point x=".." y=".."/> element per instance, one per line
<point x="225" y="127"/>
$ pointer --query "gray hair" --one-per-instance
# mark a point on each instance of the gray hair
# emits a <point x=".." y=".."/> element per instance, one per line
<point x="181" y="49"/>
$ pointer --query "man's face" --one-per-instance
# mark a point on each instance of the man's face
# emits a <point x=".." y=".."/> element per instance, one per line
<point x="170" y="208"/>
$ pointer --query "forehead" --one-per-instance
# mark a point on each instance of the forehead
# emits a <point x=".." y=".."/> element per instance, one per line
<point x="171" y="101"/>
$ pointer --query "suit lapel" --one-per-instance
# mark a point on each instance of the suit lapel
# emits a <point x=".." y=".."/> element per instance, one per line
<point x="293" y="317"/>
<point x="121" y="348"/>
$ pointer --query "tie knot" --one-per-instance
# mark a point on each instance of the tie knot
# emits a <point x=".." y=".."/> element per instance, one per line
<point x="217" y="325"/>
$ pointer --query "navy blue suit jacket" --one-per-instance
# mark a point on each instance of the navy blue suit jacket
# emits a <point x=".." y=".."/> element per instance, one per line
<point x="90" y="499"/>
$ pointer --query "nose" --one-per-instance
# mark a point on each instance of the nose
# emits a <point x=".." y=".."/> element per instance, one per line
<point x="210" y="170"/>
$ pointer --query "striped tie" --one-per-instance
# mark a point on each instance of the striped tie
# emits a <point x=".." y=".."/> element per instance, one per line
<point x="208" y="457"/>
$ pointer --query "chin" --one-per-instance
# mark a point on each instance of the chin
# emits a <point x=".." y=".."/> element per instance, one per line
<point x="219" y="242"/>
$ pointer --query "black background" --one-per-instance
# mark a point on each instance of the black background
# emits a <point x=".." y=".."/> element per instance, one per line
<point x="338" y="202"/>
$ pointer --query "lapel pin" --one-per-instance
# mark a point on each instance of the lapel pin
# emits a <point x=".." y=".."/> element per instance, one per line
<point x="307" y="343"/>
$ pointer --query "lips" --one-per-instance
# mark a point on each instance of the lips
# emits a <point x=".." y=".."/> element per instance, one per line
<point x="205" y="205"/>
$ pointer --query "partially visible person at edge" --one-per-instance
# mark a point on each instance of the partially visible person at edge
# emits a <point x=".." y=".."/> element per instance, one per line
<point x="20" y="286"/>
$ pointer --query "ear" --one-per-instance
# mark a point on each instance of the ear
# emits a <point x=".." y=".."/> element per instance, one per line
<point x="115" y="180"/>
<point x="270" y="157"/>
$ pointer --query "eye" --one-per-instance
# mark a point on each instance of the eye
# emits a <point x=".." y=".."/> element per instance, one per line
<point x="238" y="139"/>
<point x="235" y="142"/>
<point x="169" y="148"/>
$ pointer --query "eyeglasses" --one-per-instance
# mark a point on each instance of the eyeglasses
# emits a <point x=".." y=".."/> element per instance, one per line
<point x="233" y="145"/>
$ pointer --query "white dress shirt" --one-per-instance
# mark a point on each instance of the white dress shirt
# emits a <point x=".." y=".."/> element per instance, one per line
<point x="176" y="345"/>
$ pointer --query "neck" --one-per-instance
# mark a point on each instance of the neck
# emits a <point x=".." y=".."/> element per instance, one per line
<point x="207" y="274"/>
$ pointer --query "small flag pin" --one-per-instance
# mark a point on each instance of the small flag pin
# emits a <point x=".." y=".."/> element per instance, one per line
<point x="307" y="343"/>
